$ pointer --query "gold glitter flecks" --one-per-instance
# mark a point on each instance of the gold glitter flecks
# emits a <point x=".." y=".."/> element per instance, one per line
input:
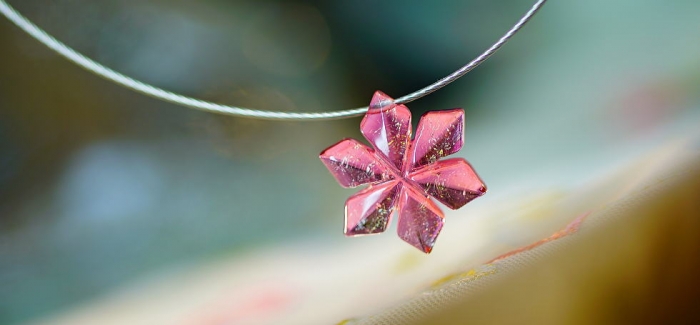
<point x="374" y="223"/>
<point x="468" y="276"/>
<point x="348" y="321"/>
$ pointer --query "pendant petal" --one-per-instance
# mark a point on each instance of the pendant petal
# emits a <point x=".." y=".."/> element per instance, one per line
<point x="439" y="134"/>
<point x="452" y="182"/>
<point x="387" y="127"/>
<point x="420" y="220"/>
<point x="353" y="164"/>
<point x="369" y="211"/>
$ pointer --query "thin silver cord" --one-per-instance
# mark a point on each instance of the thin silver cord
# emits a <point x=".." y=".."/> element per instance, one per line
<point x="109" y="74"/>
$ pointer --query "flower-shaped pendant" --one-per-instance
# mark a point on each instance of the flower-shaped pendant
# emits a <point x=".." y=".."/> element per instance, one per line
<point x="402" y="173"/>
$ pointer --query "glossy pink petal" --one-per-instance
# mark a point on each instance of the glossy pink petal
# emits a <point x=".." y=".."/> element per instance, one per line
<point x="420" y="220"/>
<point x="353" y="163"/>
<point x="439" y="134"/>
<point x="403" y="174"/>
<point x="369" y="211"/>
<point x="452" y="182"/>
<point x="387" y="127"/>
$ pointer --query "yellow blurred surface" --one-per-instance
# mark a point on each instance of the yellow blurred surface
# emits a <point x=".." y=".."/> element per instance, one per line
<point x="624" y="250"/>
<point x="116" y="208"/>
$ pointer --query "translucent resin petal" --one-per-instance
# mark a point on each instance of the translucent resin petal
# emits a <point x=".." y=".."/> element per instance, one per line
<point x="387" y="127"/>
<point x="439" y="134"/>
<point x="403" y="174"/>
<point x="452" y="182"/>
<point x="420" y="220"/>
<point x="369" y="211"/>
<point x="353" y="163"/>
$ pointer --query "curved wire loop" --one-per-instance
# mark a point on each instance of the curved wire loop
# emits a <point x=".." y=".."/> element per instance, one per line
<point x="168" y="96"/>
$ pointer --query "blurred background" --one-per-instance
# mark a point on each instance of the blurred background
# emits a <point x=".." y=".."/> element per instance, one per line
<point x="101" y="186"/>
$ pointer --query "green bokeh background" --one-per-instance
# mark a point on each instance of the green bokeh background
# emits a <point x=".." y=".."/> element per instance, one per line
<point x="100" y="185"/>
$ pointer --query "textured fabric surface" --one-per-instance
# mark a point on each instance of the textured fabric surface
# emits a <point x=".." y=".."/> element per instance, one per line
<point x="626" y="260"/>
<point x="622" y="247"/>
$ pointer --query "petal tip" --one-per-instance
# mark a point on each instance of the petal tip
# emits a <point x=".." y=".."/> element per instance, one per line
<point x="381" y="101"/>
<point x="336" y="146"/>
<point x="420" y="221"/>
<point x="454" y="114"/>
<point x="439" y="134"/>
<point x="369" y="211"/>
<point x="352" y="163"/>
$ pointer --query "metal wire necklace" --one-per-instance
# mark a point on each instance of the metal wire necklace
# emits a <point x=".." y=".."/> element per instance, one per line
<point x="402" y="172"/>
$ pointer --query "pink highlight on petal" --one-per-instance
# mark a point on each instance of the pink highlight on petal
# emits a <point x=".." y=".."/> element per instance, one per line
<point x="387" y="127"/>
<point x="353" y="164"/>
<point x="420" y="220"/>
<point x="452" y="182"/>
<point x="369" y="211"/>
<point x="439" y="134"/>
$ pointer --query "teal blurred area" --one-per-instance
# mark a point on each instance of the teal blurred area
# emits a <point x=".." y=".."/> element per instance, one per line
<point x="100" y="185"/>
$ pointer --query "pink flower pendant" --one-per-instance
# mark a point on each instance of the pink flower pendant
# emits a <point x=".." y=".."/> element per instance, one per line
<point x="403" y="174"/>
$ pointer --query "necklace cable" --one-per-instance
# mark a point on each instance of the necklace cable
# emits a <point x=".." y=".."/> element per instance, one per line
<point x="162" y="94"/>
